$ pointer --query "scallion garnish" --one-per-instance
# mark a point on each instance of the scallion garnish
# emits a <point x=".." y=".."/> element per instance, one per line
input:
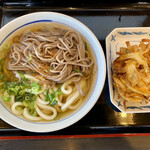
<point x="21" y="92"/>
<point x="3" y="76"/>
<point x="12" y="91"/>
<point x="24" y="91"/>
<point x="6" y="98"/>
<point x="53" y="102"/>
<point x="85" y="45"/>
<point x="20" y="108"/>
<point x="1" y="65"/>
<point x="6" y="46"/>
<point x="27" y="98"/>
<point x="52" y="96"/>
<point x="77" y="70"/>
<point x="34" y="88"/>
<point x="22" y="75"/>
<point x="30" y="58"/>
<point x="32" y="111"/>
<point x="47" y="95"/>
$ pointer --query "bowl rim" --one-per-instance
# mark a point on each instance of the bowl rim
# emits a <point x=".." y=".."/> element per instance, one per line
<point x="97" y="89"/>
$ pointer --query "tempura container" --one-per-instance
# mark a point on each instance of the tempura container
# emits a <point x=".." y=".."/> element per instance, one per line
<point x="114" y="41"/>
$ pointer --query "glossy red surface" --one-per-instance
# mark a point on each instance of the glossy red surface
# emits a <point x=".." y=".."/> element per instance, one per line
<point x="73" y="136"/>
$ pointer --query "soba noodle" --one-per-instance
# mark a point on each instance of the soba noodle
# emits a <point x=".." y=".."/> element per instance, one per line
<point x="53" y="69"/>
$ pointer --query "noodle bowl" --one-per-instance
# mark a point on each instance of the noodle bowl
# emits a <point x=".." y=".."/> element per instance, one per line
<point x="55" y="62"/>
<point x="52" y="71"/>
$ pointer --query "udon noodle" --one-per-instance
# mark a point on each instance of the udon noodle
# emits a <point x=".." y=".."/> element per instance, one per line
<point x="50" y="73"/>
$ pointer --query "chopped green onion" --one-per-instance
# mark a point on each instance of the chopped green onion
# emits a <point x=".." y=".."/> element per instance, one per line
<point x="32" y="104"/>
<point x="47" y="95"/>
<point x="24" y="91"/>
<point x="35" y="88"/>
<point x="22" y="75"/>
<point x="26" y="103"/>
<point x="2" y="64"/>
<point x="20" y="108"/>
<point x="17" y="88"/>
<point x="59" y="93"/>
<point x="21" y="92"/>
<point x="21" y="87"/>
<point x="85" y="45"/>
<point x="59" y="89"/>
<point x="76" y="70"/>
<point x="51" y="97"/>
<point x="27" y="98"/>
<point x="19" y="98"/>
<point x="53" y="103"/>
<point x="32" y="111"/>
<point x="6" y="97"/>
<point x="30" y="58"/>
<point x="12" y="91"/>
<point x="6" y="45"/>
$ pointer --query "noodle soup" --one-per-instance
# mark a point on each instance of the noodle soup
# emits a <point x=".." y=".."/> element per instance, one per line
<point x="49" y="73"/>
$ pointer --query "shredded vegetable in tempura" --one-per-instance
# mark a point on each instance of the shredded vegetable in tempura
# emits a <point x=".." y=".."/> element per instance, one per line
<point x="131" y="72"/>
